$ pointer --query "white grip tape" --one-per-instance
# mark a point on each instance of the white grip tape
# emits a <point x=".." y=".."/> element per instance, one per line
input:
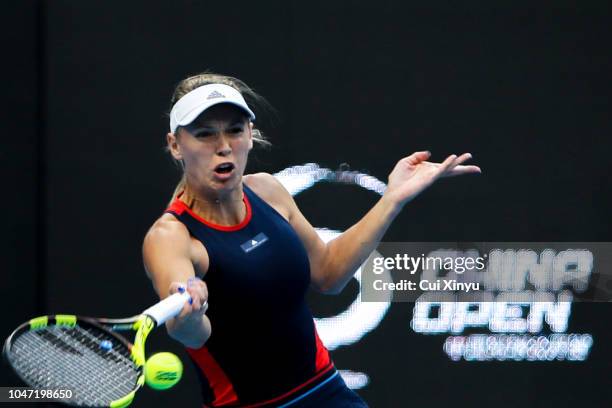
<point x="168" y="308"/>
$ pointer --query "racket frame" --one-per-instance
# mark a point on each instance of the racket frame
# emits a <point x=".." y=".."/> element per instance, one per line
<point x="142" y="324"/>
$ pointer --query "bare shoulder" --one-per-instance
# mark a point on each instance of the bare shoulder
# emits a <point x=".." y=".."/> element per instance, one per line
<point x="166" y="229"/>
<point x="168" y="245"/>
<point x="170" y="253"/>
<point x="167" y="238"/>
<point x="271" y="191"/>
<point x="267" y="187"/>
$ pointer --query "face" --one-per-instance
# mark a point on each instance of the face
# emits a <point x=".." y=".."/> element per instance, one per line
<point x="214" y="148"/>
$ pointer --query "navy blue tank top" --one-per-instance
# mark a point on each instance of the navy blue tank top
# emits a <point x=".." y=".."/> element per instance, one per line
<point x="264" y="349"/>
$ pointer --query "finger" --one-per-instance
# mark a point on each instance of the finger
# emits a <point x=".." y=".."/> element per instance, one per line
<point x="456" y="162"/>
<point x="195" y="281"/>
<point x="204" y="291"/>
<point x="462" y="159"/>
<point x="459" y="160"/>
<point x="446" y="164"/>
<point x="196" y="298"/>
<point x="200" y="295"/>
<point x="179" y="287"/>
<point x="176" y="287"/>
<point x="199" y="286"/>
<point x="188" y="306"/>
<point x="460" y="170"/>
<point x="417" y="157"/>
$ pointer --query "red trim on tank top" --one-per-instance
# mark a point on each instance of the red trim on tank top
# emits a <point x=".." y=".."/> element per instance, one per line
<point x="179" y="207"/>
<point x="323" y="365"/>
<point x="217" y="379"/>
<point x="176" y="207"/>
<point x="322" y="358"/>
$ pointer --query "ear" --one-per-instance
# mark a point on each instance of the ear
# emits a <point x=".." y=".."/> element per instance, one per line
<point x="173" y="146"/>
<point x="250" y="135"/>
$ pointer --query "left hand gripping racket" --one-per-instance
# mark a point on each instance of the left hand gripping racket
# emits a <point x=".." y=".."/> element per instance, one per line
<point x="86" y="355"/>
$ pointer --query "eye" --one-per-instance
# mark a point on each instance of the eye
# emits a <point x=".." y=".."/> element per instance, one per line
<point x="236" y="129"/>
<point x="203" y="133"/>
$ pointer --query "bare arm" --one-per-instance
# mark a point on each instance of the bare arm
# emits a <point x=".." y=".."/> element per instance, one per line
<point x="168" y="256"/>
<point x="341" y="257"/>
<point x="333" y="264"/>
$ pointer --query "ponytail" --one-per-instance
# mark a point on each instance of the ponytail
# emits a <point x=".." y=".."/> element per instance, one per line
<point x="180" y="187"/>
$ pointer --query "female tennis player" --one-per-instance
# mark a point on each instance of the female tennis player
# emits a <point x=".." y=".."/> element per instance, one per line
<point x="243" y="239"/>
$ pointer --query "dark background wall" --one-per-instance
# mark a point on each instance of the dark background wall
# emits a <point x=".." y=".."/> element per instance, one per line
<point x="524" y="87"/>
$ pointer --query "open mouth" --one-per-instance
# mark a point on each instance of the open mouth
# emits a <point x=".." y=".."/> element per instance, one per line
<point x="224" y="168"/>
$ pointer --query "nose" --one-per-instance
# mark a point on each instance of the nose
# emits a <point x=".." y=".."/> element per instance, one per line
<point x="224" y="148"/>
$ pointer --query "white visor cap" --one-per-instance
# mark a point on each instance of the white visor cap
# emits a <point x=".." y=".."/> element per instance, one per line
<point x="190" y="106"/>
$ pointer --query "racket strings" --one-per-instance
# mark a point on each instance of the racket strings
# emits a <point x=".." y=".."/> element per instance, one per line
<point x="76" y="359"/>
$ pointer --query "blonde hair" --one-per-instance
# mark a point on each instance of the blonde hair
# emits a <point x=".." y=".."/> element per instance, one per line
<point x="254" y="100"/>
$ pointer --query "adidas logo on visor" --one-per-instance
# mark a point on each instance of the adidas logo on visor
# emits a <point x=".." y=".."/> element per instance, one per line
<point x="215" y="94"/>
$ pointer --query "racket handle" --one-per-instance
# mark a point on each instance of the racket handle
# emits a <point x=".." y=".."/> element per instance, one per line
<point x="168" y="308"/>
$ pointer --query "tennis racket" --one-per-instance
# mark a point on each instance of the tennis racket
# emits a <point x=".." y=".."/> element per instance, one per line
<point x="86" y="355"/>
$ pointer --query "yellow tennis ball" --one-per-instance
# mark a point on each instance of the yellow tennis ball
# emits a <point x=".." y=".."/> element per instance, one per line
<point x="163" y="370"/>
